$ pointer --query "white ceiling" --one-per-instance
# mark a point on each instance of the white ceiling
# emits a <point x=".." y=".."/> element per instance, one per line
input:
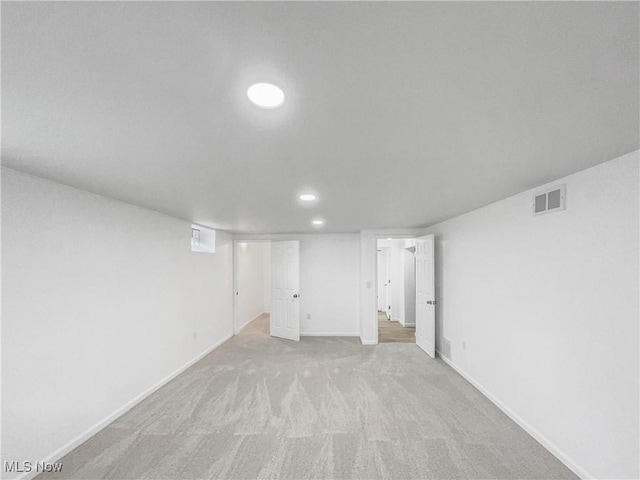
<point x="397" y="114"/>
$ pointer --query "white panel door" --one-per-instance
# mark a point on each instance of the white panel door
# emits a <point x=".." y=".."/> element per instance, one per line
<point x="387" y="281"/>
<point x="383" y="280"/>
<point x="425" y="296"/>
<point x="380" y="278"/>
<point x="285" y="303"/>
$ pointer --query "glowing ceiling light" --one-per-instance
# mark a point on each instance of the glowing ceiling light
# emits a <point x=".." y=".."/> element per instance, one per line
<point x="265" y="95"/>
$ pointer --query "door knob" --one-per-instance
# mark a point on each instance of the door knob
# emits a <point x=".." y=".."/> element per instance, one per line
<point x="295" y="295"/>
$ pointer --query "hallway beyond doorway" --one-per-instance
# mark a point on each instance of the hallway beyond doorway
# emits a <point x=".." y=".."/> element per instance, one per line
<point x="390" y="331"/>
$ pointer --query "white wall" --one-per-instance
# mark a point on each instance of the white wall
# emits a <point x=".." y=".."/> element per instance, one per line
<point x="329" y="273"/>
<point x="381" y="278"/>
<point x="250" y="300"/>
<point x="409" y="270"/>
<point x="266" y="277"/>
<point x="101" y="300"/>
<point x="547" y="307"/>
<point x="396" y="274"/>
<point x="368" y="310"/>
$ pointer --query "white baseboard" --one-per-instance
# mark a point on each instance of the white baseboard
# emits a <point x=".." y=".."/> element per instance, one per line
<point x="329" y="334"/>
<point x="84" y="436"/>
<point x="544" y="441"/>
<point x="368" y="342"/>
<point x="260" y="315"/>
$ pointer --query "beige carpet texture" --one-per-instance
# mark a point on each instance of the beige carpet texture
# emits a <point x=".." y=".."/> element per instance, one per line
<point x="322" y="408"/>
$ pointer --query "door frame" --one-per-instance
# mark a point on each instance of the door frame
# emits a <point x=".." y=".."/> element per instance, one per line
<point x="234" y="293"/>
<point x="381" y="236"/>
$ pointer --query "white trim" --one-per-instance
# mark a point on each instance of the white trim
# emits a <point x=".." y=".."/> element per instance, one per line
<point x="544" y="441"/>
<point x="239" y="329"/>
<point x="329" y="334"/>
<point x="407" y="324"/>
<point x="91" y="431"/>
<point x="368" y="342"/>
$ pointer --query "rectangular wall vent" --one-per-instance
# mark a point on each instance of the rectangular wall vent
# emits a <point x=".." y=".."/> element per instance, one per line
<point x="446" y="348"/>
<point x="551" y="200"/>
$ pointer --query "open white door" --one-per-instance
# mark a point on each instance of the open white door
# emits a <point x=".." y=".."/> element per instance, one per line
<point x="425" y="296"/>
<point x="383" y="280"/>
<point x="380" y="282"/>
<point x="285" y="306"/>
<point x="387" y="281"/>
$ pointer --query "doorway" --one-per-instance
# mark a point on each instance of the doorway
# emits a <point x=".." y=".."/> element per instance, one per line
<point x="252" y="289"/>
<point x="266" y="287"/>
<point x="422" y="309"/>
<point x="396" y="290"/>
<point x="383" y="281"/>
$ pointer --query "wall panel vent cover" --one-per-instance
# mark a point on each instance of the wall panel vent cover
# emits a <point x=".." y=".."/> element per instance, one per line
<point x="551" y="200"/>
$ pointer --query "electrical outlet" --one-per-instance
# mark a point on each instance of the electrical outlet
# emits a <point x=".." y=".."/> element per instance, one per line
<point x="308" y="316"/>
<point x="195" y="335"/>
<point x="464" y="345"/>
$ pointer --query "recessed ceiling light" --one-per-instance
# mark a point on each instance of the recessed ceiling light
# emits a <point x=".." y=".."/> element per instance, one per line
<point x="318" y="222"/>
<point x="265" y="95"/>
<point x="389" y="238"/>
<point x="307" y="197"/>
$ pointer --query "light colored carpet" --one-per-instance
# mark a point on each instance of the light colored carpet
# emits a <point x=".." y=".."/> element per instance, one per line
<point x="323" y="408"/>
<point x="389" y="331"/>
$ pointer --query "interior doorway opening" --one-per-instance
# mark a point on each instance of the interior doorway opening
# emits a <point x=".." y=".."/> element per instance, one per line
<point x="396" y="290"/>
<point x="252" y="286"/>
